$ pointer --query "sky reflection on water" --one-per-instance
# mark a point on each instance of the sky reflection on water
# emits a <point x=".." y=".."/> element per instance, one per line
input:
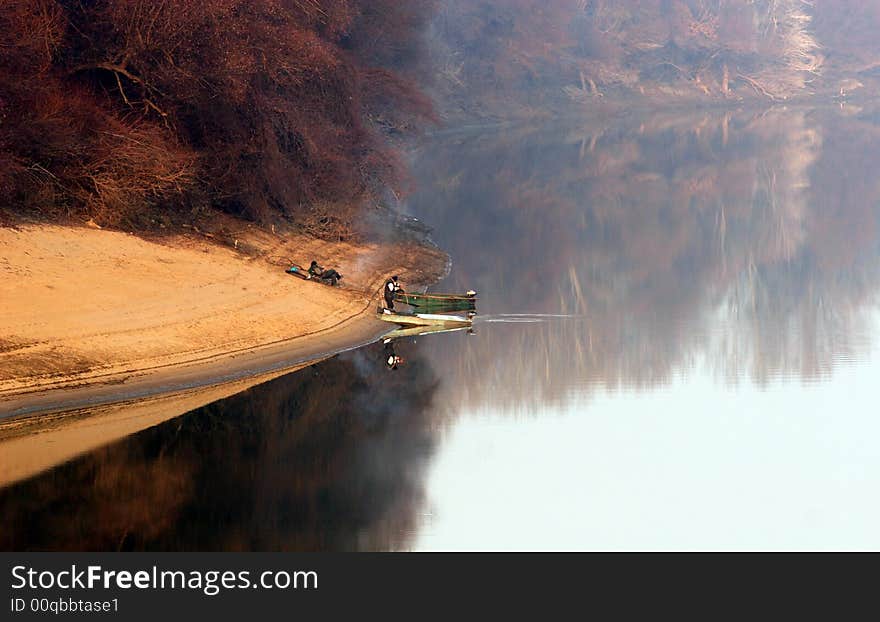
<point x="693" y="464"/>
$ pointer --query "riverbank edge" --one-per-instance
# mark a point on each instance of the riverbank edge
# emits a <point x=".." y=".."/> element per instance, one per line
<point x="287" y="355"/>
<point x="354" y="327"/>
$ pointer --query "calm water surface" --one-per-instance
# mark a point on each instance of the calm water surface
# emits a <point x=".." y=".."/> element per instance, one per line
<point x="676" y="349"/>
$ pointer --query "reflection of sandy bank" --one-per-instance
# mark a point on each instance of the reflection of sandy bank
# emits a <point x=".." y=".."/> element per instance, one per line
<point x="329" y="458"/>
<point x="34" y="444"/>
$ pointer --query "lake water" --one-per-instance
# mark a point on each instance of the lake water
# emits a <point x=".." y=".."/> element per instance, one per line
<point x="676" y="349"/>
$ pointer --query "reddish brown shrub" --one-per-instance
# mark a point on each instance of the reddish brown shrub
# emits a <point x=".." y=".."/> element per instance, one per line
<point x="258" y="107"/>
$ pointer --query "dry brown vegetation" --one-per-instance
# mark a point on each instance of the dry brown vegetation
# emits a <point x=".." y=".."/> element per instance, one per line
<point x="118" y="109"/>
<point x="260" y="108"/>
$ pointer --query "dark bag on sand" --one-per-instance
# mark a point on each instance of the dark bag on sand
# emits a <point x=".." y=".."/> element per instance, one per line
<point x="331" y="275"/>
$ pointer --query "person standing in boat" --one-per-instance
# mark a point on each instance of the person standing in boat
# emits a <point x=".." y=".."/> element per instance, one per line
<point x="391" y="287"/>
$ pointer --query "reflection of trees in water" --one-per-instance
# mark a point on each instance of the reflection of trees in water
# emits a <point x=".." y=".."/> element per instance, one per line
<point x="678" y="239"/>
<point x="800" y="314"/>
<point x="329" y="458"/>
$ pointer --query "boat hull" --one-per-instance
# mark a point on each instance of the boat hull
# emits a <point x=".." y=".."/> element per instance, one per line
<point x="421" y="331"/>
<point x="426" y="319"/>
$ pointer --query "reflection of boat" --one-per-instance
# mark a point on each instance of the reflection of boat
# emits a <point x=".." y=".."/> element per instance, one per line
<point x="426" y="319"/>
<point x="438" y="302"/>
<point x="418" y="331"/>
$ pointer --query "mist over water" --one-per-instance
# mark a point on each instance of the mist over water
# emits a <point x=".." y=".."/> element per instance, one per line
<point x="676" y="347"/>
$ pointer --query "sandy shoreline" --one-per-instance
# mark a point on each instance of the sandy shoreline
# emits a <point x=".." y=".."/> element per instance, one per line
<point x="91" y="318"/>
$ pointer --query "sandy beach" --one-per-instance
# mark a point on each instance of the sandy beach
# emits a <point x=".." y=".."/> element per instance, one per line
<point x="90" y="318"/>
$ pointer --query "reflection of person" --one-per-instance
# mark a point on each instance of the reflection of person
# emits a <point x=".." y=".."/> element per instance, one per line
<point x="392" y="361"/>
<point x="391" y="288"/>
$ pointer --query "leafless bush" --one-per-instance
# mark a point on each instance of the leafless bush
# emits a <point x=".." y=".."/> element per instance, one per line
<point x="132" y="170"/>
<point x="328" y="221"/>
<point x="787" y="43"/>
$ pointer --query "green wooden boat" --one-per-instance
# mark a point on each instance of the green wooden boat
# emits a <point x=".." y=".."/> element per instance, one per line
<point x="430" y="303"/>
